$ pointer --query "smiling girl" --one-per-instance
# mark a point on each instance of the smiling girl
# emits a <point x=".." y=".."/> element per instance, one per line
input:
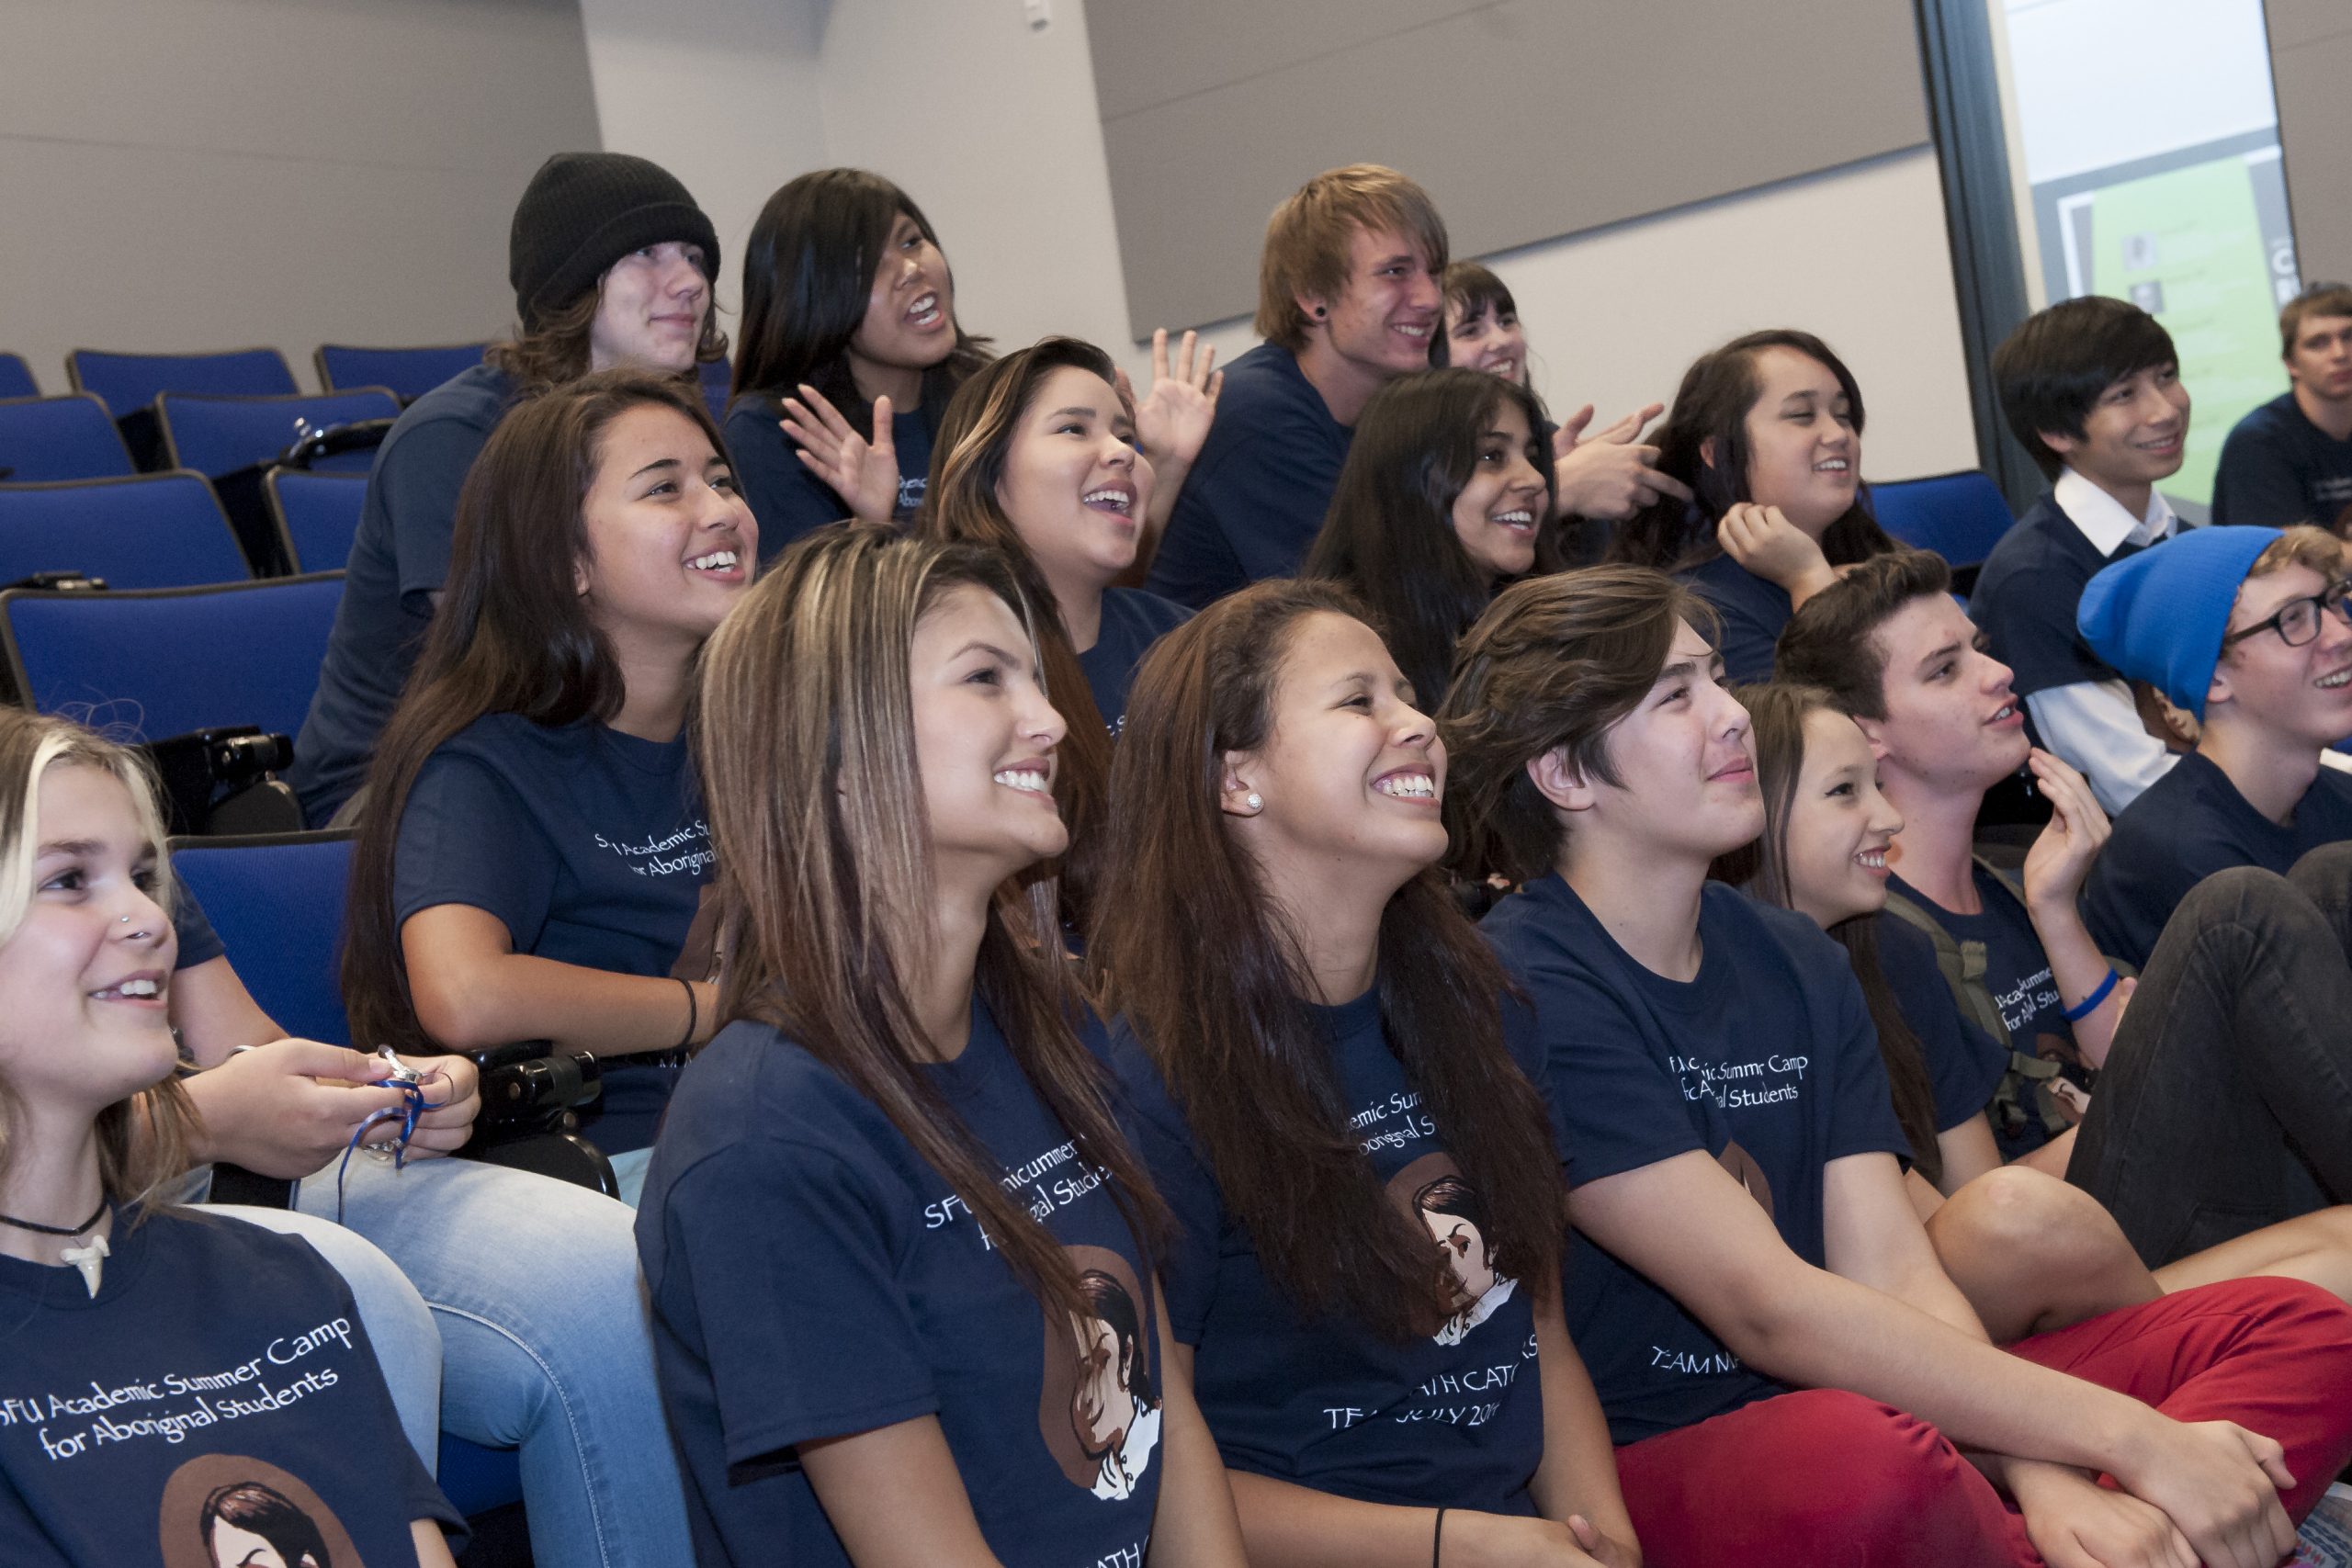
<point x="136" y="1332"/>
<point x="1331" y="1082"/>
<point x="1446" y="496"/>
<point x="1767" y="433"/>
<point x="880" y="1189"/>
<point x="535" y="852"/>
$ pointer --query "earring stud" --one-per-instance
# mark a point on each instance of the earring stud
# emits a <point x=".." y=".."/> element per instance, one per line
<point x="1254" y="801"/>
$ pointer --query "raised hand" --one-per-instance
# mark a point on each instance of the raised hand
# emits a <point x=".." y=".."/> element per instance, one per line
<point x="1173" y="418"/>
<point x="1764" y="541"/>
<point x="2061" y="854"/>
<point x="1610" y="474"/>
<point x="863" y="473"/>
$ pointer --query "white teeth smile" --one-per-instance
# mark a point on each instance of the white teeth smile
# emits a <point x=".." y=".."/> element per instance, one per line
<point x="1023" y="779"/>
<point x="1518" y="519"/>
<point x="1874" y="859"/>
<point x="1118" y="500"/>
<point x="1407" y="787"/>
<point x="1832" y="466"/>
<point x="717" y="561"/>
<point x="133" y="989"/>
<point x="1413" y="332"/>
<point x="2005" y="713"/>
<point x="924" y="311"/>
<point x="2330" y="682"/>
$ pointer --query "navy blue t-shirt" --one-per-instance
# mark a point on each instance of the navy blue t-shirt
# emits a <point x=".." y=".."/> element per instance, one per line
<point x="788" y="499"/>
<point x="1753" y="612"/>
<point x="813" y="1277"/>
<point x="199" y="942"/>
<point x="1132" y="621"/>
<point x="2278" y="469"/>
<point x="2027" y="595"/>
<point x="400" y="558"/>
<point x="216" y="1355"/>
<point x="1964" y="1064"/>
<point x="1456" y="1416"/>
<point x="1766" y="1062"/>
<point x="2017" y="974"/>
<point x="588" y="845"/>
<point x="2188" y="824"/>
<point x="1258" y="492"/>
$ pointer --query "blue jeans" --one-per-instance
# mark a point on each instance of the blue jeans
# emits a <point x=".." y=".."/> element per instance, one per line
<point x="399" y="1326"/>
<point x="545" y="1346"/>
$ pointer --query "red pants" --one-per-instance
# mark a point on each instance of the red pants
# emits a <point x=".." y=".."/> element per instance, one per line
<point x="1824" y="1477"/>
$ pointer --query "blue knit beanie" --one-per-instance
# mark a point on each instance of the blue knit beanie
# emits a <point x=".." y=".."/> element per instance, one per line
<point x="2159" y="615"/>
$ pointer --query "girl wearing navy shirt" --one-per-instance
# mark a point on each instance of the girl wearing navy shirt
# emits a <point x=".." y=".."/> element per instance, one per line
<point x="2030" y="1252"/>
<point x="850" y="338"/>
<point x="1767" y="433"/>
<point x="1748" y="1275"/>
<point x="899" y="1254"/>
<point x="1331" y="1085"/>
<point x="535" y="852"/>
<point x="1038" y="457"/>
<point x="1482" y="330"/>
<point x="204" y="1382"/>
<point x="1445" y="495"/>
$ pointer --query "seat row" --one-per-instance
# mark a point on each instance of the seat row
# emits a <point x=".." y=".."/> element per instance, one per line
<point x="171" y="529"/>
<point x="128" y="381"/>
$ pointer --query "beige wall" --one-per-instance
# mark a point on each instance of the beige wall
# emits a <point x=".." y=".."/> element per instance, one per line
<point x="2311" y="58"/>
<point x="183" y="175"/>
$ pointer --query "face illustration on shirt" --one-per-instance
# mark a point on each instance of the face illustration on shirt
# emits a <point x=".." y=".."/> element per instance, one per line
<point x="1464" y="1247"/>
<point x="235" y="1547"/>
<point x="254" y="1525"/>
<point x="1103" y="1405"/>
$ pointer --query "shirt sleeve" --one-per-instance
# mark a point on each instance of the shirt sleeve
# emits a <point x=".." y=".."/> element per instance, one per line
<point x="1748" y="644"/>
<point x="1188" y="1267"/>
<point x="1618" y="1108"/>
<point x="806" y="1329"/>
<point x="465" y="838"/>
<point x="2094" y="726"/>
<point x="199" y="942"/>
<point x="1246" y="511"/>
<point x="2256" y="484"/>
<point x="788" y="500"/>
<point x="420" y="479"/>
<point x="1862" y="1104"/>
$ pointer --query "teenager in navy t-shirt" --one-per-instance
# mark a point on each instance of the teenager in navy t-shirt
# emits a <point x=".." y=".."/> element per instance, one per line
<point x="611" y="264"/>
<point x="1731" y="1149"/>
<point x="2290" y="460"/>
<point x="2248" y="630"/>
<point x="1039" y="459"/>
<point x="1331" y="1086"/>
<point x="534" y="848"/>
<point x="1766" y="433"/>
<point x="1447" y="493"/>
<point x="207" y="1384"/>
<point x="899" y="1254"/>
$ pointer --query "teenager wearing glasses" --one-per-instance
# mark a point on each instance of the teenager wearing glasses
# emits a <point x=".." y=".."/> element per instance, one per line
<point x="2247" y="630"/>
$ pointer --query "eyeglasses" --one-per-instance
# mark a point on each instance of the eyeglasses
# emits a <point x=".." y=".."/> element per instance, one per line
<point x="2297" y="621"/>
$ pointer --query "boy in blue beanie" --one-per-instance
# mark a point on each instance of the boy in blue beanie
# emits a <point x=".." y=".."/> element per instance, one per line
<point x="2247" y="629"/>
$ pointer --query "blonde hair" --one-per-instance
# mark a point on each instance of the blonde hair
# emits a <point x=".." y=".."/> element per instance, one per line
<point x="142" y="1140"/>
<point x="1308" y="239"/>
<point x="2304" y="545"/>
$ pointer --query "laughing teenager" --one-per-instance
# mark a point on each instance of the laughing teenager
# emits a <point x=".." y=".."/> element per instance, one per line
<point x="2247" y="629"/>
<point x="1446" y="495"/>
<point x="1748" y="1275"/>
<point x="1768" y="431"/>
<point x="2092" y="388"/>
<point x="2222" y="1106"/>
<point x="1331" y="1082"/>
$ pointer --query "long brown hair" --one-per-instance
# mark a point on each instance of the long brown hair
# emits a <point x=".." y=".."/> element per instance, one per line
<point x="511" y="635"/>
<point x="142" y="1140"/>
<point x="1778" y="713"/>
<point x="804" y="737"/>
<point x="1210" y="975"/>
<point x="1713" y="405"/>
<point x="961" y="506"/>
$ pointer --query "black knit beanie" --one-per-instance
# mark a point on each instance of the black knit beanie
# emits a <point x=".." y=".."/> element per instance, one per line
<point x="582" y="212"/>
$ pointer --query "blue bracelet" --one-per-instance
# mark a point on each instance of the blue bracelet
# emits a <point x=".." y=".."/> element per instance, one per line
<point x="2090" y="1004"/>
